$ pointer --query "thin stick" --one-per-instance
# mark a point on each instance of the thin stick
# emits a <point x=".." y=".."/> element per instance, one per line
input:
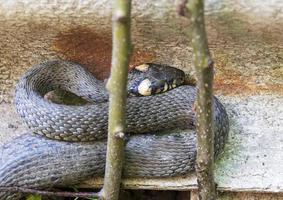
<point x="117" y="89"/>
<point x="51" y="193"/>
<point x="204" y="73"/>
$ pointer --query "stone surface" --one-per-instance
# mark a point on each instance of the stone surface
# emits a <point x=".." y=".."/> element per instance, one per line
<point x="253" y="157"/>
<point x="246" y="42"/>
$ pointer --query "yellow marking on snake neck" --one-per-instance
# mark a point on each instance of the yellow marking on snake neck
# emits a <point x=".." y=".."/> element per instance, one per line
<point x="144" y="87"/>
<point x="174" y="83"/>
<point x="165" y="87"/>
<point x="142" y="68"/>
<point x="158" y="90"/>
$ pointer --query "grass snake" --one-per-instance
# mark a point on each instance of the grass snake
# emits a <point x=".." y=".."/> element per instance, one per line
<point x="69" y="145"/>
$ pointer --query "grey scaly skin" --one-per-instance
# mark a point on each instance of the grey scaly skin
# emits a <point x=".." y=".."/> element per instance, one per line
<point x="69" y="145"/>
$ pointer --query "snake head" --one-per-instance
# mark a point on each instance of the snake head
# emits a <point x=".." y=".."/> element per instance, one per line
<point x="154" y="79"/>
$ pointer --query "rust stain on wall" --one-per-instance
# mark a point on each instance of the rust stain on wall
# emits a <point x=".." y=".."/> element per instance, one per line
<point x="93" y="50"/>
<point x="231" y="83"/>
<point x="253" y="79"/>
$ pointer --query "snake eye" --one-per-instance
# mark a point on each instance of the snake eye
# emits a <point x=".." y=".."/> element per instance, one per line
<point x="134" y="89"/>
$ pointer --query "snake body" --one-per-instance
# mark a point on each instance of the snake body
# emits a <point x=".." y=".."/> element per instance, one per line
<point x="79" y="149"/>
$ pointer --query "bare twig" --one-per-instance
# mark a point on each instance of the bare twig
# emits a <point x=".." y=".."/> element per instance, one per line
<point x="51" y="193"/>
<point x="204" y="74"/>
<point x="181" y="7"/>
<point x="117" y="89"/>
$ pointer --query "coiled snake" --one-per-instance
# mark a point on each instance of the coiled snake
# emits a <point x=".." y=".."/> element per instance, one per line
<point x="34" y="161"/>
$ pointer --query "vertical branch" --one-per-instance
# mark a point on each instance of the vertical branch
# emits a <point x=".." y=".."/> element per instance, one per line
<point x="204" y="113"/>
<point x="117" y="102"/>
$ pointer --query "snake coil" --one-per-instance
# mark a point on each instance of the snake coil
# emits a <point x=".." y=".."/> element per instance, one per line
<point x="69" y="145"/>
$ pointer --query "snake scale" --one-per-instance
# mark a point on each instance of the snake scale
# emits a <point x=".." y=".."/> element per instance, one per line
<point x="69" y="145"/>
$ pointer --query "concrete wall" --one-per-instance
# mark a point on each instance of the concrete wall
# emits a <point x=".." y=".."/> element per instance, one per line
<point x="244" y="36"/>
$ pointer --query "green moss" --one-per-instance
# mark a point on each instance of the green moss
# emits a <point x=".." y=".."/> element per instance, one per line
<point x="33" y="197"/>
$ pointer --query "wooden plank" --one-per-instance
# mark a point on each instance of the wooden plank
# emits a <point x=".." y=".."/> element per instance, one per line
<point x="175" y="183"/>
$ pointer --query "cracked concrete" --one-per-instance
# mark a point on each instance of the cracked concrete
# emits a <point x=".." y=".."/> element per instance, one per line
<point x="253" y="154"/>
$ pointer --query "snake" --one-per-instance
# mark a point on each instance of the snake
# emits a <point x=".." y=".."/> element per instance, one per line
<point x="66" y="143"/>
